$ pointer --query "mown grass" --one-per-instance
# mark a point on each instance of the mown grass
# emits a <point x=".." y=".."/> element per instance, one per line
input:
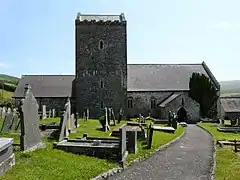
<point x="227" y="162"/>
<point x="5" y="94"/>
<point x="159" y="138"/>
<point x="50" y="120"/>
<point x="51" y="163"/>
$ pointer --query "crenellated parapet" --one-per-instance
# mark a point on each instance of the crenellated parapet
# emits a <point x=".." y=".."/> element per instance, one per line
<point x="86" y="19"/>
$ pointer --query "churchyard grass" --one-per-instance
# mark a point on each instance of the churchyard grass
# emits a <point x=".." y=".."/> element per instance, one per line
<point x="51" y="163"/>
<point x="50" y="120"/>
<point x="227" y="162"/>
<point x="159" y="138"/>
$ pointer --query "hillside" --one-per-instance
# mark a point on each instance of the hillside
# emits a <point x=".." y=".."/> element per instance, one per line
<point x="230" y="88"/>
<point x="8" y="85"/>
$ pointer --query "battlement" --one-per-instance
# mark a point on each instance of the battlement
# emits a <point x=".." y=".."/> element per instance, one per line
<point x="100" y="19"/>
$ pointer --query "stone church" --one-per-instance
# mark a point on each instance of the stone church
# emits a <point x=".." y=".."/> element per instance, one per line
<point x="104" y="79"/>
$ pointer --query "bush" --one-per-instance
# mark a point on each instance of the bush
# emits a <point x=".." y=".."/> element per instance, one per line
<point x="7" y="86"/>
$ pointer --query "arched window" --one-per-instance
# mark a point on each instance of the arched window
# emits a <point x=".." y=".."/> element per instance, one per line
<point x="153" y="103"/>
<point x="102" y="104"/>
<point x="130" y="102"/>
<point x="101" y="84"/>
<point x="101" y="44"/>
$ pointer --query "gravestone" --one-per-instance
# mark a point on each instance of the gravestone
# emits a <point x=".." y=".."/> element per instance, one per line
<point x="44" y="112"/>
<point x="132" y="141"/>
<point x="174" y="122"/>
<point x="150" y="136"/>
<point x="87" y="114"/>
<point x="9" y="110"/>
<point x="120" y="115"/>
<point x="7" y="122"/>
<point x="67" y="108"/>
<point x="123" y="141"/>
<point x="53" y="113"/>
<point x="4" y="112"/>
<point x="49" y="113"/>
<point x="63" y="129"/>
<point x="15" y="122"/>
<point x="169" y="118"/>
<point x="107" y="128"/>
<point x="30" y="138"/>
<point x="113" y="117"/>
<point x="7" y="157"/>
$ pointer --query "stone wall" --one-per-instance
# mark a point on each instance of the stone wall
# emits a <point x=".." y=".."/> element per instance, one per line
<point x="101" y="73"/>
<point x="191" y="106"/>
<point x="51" y="103"/>
<point x="142" y="101"/>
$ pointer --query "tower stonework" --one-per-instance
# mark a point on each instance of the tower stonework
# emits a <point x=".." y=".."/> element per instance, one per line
<point x="101" y="63"/>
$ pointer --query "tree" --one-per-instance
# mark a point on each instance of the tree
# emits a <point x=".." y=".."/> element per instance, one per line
<point x="202" y="91"/>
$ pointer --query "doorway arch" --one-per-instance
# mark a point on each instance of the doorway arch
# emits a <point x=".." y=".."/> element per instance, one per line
<point x="182" y="115"/>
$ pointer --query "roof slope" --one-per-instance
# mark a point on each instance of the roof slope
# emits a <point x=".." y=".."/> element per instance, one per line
<point x="46" y="85"/>
<point x="161" y="77"/>
<point x="230" y="104"/>
<point x="140" y="77"/>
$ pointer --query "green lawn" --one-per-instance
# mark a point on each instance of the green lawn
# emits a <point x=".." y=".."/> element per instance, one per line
<point x="51" y="163"/>
<point x="5" y="94"/>
<point x="227" y="162"/>
<point x="50" y="120"/>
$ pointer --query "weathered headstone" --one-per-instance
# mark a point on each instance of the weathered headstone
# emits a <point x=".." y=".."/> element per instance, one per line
<point x="174" y="122"/>
<point x="120" y="115"/>
<point x="15" y="121"/>
<point x="30" y="138"/>
<point x="9" y="110"/>
<point x="53" y="113"/>
<point x="107" y="128"/>
<point x="7" y="122"/>
<point x="44" y="112"/>
<point x="4" y="112"/>
<point x="49" y="113"/>
<point x="7" y="158"/>
<point x="150" y="136"/>
<point x="63" y="128"/>
<point x="113" y="117"/>
<point x="123" y="141"/>
<point x="87" y="114"/>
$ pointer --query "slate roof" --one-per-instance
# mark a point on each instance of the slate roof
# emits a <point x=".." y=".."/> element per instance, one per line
<point x="162" y="77"/>
<point x="230" y="104"/>
<point x="141" y="77"/>
<point x="98" y="17"/>
<point x="46" y="85"/>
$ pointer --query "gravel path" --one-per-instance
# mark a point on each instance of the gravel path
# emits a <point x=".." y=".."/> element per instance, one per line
<point x="188" y="159"/>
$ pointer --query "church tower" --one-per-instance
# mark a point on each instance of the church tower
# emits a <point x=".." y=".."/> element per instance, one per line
<point x="101" y="63"/>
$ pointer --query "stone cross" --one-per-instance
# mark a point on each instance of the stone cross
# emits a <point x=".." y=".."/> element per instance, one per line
<point x="44" y="112"/>
<point x="30" y="138"/>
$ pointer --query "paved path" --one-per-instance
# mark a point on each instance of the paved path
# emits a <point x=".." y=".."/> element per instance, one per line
<point x="188" y="159"/>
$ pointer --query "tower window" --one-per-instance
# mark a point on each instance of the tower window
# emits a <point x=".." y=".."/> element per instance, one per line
<point x="101" y="44"/>
<point x="102" y="104"/>
<point x="130" y="102"/>
<point x="101" y="84"/>
<point x="153" y="103"/>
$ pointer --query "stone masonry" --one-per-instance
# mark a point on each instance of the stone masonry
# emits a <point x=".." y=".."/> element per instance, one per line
<point x="101" y="66"/>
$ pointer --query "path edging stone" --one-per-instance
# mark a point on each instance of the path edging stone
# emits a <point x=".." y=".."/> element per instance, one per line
<point x="114" y="171"/>
<point x="213" y="162"/>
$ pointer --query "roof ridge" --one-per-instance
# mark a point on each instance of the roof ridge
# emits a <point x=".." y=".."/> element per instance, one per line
<point x="49" y="75"/>
<point x="170" y="64"/>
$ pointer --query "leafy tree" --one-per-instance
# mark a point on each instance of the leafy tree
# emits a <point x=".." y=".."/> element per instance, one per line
<point x="202" y="91"/>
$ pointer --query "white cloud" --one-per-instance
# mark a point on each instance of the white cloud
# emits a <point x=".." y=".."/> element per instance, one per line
<point x="226" y="26"/>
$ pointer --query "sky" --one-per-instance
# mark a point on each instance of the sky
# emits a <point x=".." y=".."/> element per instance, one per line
<point x="37" y="37"/>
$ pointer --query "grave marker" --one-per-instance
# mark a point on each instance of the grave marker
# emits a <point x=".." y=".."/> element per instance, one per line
<point x="7" y="122"/>
<point x="44" y="112"/>
<point x="30" y="138"/>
